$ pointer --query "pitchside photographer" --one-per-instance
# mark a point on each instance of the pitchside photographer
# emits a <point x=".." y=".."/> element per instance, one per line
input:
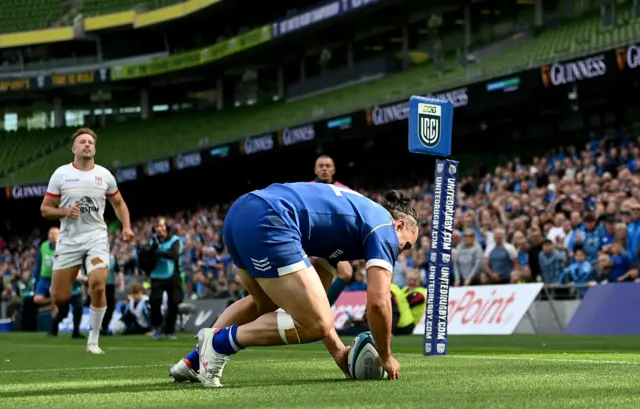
<point x="164" y="250"/>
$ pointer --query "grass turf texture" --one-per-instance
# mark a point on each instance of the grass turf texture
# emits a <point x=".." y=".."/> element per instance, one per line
<point x="480" y="372"/>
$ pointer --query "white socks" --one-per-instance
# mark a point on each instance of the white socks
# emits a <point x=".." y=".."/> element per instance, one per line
<point x="96" y="315"/>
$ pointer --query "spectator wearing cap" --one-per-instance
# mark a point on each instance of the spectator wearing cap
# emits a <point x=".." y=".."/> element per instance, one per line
<point x="551" y="261"/>
<point x="499" y="260"/>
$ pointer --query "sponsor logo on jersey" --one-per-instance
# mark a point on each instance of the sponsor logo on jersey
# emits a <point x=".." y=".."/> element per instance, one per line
<point x="87" y="205"/>
<point x="98" y="180"/>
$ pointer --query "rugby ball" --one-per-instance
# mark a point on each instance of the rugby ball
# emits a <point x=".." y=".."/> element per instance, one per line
<point x="363" y="359"/>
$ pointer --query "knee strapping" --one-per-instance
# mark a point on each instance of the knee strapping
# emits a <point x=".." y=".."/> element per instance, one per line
<point x="287" y="328"/>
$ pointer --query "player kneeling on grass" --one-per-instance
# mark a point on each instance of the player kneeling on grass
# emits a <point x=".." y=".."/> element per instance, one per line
<point x="269" y="233"/>
<point x="245" y="310"/>
<point x="76" y="196"/>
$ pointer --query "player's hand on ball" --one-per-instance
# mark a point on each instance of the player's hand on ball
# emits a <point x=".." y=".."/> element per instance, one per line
<point x="73" y="211"/>
<point x="391" y="366"/>
<point x="127" y="234"/>
<point x="341" y="358"/>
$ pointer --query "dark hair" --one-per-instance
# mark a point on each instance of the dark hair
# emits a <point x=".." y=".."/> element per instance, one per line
<point x="547" y="241"/>
<point x="398" y="203"/>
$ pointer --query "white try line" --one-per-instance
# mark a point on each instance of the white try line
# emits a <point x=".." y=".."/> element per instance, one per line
<point x="81" y="368"/>
<point x="474" y="357"/>
<point x="539" y="359"/>
<point x="113" y="367"/>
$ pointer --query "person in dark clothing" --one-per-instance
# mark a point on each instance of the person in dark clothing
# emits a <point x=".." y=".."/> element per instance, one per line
<point x="110" y="291"/>
<point x="165" y="277"/>
<point x="534" y="251"/>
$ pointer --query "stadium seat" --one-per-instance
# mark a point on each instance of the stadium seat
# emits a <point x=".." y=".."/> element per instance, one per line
<point x="24" y="15"/>
<point x="19" y="15"/>
<point x="98" y="7"/>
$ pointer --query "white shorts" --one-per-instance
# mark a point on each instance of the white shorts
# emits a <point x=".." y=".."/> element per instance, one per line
<point x="92" y="255"/>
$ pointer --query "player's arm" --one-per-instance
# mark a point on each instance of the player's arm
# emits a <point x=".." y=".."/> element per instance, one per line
<point x="121" y="209"/>
<point x="118" y="203"/>
<point x="379" y="311"/>
<point x="49" y="207"/>
<point x="380" y="251"/>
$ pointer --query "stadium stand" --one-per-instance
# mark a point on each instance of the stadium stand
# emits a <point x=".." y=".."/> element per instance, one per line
<point x="155" y="139"/>
<point x="526" y="213"/>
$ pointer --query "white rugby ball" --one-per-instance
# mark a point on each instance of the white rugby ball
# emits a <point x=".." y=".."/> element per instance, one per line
<point x="363" y="359"/>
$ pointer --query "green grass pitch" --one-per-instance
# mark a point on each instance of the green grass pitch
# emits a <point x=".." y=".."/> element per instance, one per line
<point x="480" y="372"/>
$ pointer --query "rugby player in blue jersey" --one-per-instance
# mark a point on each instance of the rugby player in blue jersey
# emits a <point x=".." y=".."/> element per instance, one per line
<point x="271" y="232"/>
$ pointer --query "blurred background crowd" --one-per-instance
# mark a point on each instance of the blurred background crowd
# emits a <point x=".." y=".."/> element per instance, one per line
<point x="570" y="218"/>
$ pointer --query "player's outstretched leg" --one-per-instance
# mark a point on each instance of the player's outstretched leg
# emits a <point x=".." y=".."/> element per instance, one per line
<point x="97" y="288"/>
<point x="240" y="312"/>
<point x="308" y="319"/>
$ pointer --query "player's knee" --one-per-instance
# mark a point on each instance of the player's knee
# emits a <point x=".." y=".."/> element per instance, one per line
<point x="97" y="288"/>
<point x="323" y="327"/>
<point x="59" y="296"/>
<point x="318" y="328"/>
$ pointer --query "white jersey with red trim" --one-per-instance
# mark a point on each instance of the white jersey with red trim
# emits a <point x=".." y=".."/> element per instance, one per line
<point x="89" y="189"/>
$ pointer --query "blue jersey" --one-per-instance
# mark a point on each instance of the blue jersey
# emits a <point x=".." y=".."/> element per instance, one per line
<point x="294" y="220"/>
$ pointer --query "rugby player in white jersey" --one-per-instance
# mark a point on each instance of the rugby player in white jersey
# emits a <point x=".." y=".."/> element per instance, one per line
<point x="76" y="196"/>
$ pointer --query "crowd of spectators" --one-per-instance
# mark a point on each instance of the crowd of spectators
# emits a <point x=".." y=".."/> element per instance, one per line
<point x="571" y="217"/>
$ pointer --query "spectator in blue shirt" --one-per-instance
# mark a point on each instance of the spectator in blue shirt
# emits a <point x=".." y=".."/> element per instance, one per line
<point x="552" y="262"/>
<point x="620" y="261"/>
<point x="579" y="272"/>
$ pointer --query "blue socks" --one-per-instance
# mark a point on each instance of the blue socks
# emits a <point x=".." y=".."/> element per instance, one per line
<point x="336" y="289"/>
<point x="194" y="359"/>
<point x="225" y="341"/>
